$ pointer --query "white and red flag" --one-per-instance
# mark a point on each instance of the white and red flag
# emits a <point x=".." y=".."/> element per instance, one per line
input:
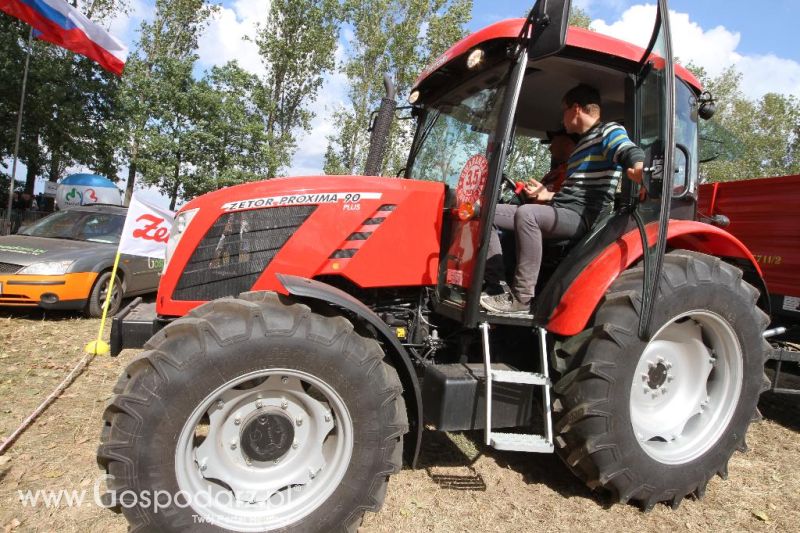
<point x="146" y="230"/>
<point x="58" y="22"/>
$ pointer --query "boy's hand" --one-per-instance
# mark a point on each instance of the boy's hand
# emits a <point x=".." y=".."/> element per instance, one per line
<point x="536" y="191"/>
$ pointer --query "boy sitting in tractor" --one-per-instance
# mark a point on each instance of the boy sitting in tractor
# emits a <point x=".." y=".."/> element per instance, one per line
<point x="593" y="171"/>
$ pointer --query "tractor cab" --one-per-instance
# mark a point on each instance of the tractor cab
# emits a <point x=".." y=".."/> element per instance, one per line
<point x="487" y="103"/>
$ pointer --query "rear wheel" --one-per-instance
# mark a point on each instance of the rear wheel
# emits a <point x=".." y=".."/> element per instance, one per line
<point x="654" y="421"/>
<point x="261" y="415"/>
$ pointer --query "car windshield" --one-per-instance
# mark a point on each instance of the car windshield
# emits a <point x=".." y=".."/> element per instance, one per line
<point x="456" y="128"/>
<point x="79" y="226"/>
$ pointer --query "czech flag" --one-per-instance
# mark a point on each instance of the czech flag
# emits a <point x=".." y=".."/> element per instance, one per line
<point x="58" y="22"/>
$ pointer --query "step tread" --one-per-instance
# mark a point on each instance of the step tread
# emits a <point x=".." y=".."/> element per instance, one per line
<point x="521" y="442"/>
<point x="516" y="376"/>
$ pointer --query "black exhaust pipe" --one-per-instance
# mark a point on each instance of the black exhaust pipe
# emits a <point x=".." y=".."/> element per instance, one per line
<point x="380" y="129"/>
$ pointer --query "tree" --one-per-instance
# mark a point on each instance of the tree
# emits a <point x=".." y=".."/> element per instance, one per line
<point x="233" y="143"/>
<point x="398" y="38"/>
<point x="68" y="101"/>
<point x="579" y="17"/>
<point x="747" y="138"/>
<point x="171" y="38"/>
<point x="297" y="46"/>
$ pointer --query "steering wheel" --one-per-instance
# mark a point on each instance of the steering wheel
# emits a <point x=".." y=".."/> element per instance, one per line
<point x="510" y="192"/>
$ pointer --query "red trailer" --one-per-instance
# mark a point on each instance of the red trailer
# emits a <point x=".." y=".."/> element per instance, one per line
<point x="763" y="213"/>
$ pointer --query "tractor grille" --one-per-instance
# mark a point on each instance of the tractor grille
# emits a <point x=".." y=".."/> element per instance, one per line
<point x="8" y="268"/>
<point x="236" y="250"/>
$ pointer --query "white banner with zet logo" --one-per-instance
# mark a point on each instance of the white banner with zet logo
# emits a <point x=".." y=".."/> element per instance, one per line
<point x="146" y="230"/>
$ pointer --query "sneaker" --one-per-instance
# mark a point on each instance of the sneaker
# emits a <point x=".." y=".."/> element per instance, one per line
<point x="505" y="304"/>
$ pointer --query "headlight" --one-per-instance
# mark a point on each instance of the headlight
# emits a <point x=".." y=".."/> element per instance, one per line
<point x="50" y="268"/>
<point x="179" y="226"/>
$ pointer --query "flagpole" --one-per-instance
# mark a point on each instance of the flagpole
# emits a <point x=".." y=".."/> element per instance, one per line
<point x="99" y="347"/>
<point x="19" y="132"/>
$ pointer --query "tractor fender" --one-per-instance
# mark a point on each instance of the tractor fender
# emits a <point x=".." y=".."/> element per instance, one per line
<point x="577" y="304"/>
<point x="316" y="290"/>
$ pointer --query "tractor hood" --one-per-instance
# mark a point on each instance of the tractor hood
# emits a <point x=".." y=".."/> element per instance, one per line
<point x="368" y="231"/>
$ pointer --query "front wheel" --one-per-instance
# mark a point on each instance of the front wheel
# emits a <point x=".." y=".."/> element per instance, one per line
<point x="99" y="293"/>
<point x="254" y="414"/>
<point x="654" y="421"/>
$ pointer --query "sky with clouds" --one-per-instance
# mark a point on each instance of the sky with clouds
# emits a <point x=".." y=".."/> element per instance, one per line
<point x="756" y="38"/>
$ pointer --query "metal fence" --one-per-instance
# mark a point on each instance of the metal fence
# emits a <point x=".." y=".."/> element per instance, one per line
<point x="18" y="219"/>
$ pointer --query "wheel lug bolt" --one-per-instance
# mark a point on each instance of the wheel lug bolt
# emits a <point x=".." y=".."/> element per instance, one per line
<point x="670" y="378"/>
<point x="203" y="467"/>
<point x="237" y="421"/>
<point x="663" y="391"/>
<point x="220" y="404"/>
<point x="233" y="444"/>
<point x="311" y="475"/>
<point x="284" y="380"/>
<point x="284" y="403"/>
<point x="249" y="462"/>
<point x="276" y="461"/>
<point x="259" y="404"/>
<point x="295" y="444"/>
<point x="299" y="420"/>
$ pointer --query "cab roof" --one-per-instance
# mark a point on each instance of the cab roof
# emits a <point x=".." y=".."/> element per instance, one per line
<point x="577" y="38"/>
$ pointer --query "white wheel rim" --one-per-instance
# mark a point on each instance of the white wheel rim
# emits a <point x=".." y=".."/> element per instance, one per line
<point x="232" y="490"/>
<point x="686" y="387"/>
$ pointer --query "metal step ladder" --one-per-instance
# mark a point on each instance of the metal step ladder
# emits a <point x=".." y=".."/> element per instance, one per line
<point x="518" y="441"/>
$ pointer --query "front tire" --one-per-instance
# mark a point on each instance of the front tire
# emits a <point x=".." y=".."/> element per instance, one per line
<point x="97" y="296"/>
<point x="654" y="421"/>
<point x="264" y="414"/>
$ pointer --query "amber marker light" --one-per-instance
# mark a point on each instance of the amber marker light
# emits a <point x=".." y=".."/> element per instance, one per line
<point x="466" y="211"/>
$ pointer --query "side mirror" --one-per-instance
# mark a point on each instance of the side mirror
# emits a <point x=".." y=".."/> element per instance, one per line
<point x="550" y="20"/>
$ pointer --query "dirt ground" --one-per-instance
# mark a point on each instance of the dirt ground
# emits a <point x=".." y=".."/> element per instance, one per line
<point x="460" y="487"/>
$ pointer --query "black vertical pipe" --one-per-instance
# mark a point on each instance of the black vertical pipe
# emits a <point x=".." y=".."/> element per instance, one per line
<point x="380" y="129"/>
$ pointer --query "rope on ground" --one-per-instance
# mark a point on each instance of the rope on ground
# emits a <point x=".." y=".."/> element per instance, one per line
<point x="74" y="373"/>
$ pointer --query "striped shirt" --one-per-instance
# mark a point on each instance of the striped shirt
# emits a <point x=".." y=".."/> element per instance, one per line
<point x="594" y="169"/>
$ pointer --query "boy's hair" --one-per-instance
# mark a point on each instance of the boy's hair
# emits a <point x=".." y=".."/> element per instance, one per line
<point x="585" y="96"/>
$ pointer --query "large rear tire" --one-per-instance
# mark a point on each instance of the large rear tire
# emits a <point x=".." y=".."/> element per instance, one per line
<point x="654" y="421"/>
<point x="253" y="414"/>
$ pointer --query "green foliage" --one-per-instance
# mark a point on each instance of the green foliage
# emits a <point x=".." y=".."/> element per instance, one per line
<point x="579" y="17"/>
<point x="397" y="37"/>
<point x="68" y="102"/>
<point x="154" y="108"/>
<point x="297" y="47"/>
<point x="748" y="138"/>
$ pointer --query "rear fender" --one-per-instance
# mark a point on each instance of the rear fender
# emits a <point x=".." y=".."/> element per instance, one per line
<point x="315" y="290"/>
<point x="579" y="301"/>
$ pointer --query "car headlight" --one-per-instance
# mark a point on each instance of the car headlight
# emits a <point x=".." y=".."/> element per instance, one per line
<point x="179" y="226"/>
<point x="49" y="268"/>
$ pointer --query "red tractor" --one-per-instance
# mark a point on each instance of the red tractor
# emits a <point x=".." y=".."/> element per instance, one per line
<point x="307" y="330"/>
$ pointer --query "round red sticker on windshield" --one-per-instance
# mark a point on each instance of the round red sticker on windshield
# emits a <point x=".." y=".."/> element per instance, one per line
<point x="472" y="179"/>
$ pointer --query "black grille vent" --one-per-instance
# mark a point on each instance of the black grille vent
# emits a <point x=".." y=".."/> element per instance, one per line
<point x="8" y="268"/>
<point x="236" y="250"/>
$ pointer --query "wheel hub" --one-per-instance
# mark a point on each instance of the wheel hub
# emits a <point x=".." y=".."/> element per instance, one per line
<point x="657" y="375"/>
<point x="267" y="437"/>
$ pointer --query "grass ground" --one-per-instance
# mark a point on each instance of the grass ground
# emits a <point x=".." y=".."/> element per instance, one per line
<point x="460" y="486"/>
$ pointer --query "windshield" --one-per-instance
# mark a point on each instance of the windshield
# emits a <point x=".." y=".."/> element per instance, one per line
<point x="79" y="226"/>
<point x="456" y="131"/>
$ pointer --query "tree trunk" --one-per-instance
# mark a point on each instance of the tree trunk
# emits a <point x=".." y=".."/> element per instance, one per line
<point x="129" y="185"/>
<point x="175" y="184"/>
<point x="30" y="177"/>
